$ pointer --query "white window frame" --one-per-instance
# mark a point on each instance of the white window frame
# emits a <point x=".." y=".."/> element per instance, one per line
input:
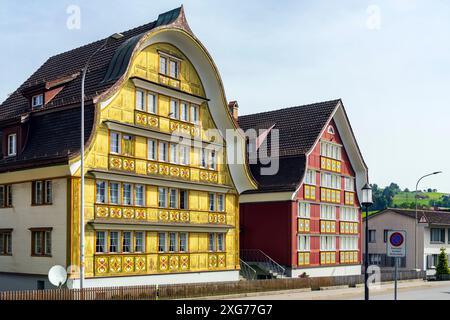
<point x="185" y="155"/>
<point x="141" y="104"/>
<point x="195" y="114"/>
<point x="327" y="243"/>
<point x="12" y="144"/>
<point x="327" y="212"/>
<point x="162" y="197"/>
<point x="152" y="149"/>
<point x="142" y="249"/>
<point x="214" y="202"/>
<point x="304" y="210"/>
<point x="163" y="151"/>
<point x="303" y="243"/>
<point x="105" y="191"/>
<point x="154" y="97"/>
<point x="174" y="107"/>
<point x="119" y="141"/>
<point x="119" y="193"/>
<point x="221" y="202"/>
<point x="39" y="99"/>
<point x="349" y="184"/>
<point x="138" y="201"/>
<point x="184" y="111"/>
<point x="173" y="153"/>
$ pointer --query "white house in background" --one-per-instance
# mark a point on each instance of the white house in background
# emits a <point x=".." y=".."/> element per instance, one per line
<point x="433" y="233"/>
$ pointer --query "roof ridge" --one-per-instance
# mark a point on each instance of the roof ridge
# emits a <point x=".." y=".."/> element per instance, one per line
<point x="293" y="107"/>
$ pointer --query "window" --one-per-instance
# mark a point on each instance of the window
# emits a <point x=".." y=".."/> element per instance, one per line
<point x="348" y="214"/>
<point x="140" y="100"/>
<point x="100" y="242"/>
<point x="183" y="242"/>
<point x="330" y="150"/>
<point x="174" y="112"/>
<point x="184" y="111"/>
<point x="37" y="101"/>
<point x="128" y="145"/>
<point x="163" y="152"/>
<point x="372" y="236"/>
<point x="174" y="69"/>
<point x="203" y="158"/>
<point x="126" y="194"/>
<point x="327" y="243"/>
<point x="211" y="242"/>
<point x="41" y="242"/>
<point x="5" y="243"/>
<point x="330" y="130"/>
<point x="184" y="199"/>
<point x="349" y="184"/>
<point x="220" y="242"/>
<point x="162" y="197"/>
<point x="151" y="149"/>
<point x="437" y="235"/>
<point x="329" y="180"/>
<point x="6" y="196"/>
<point x="173" y="153"/>
<point x="152" y="103"/>
<point x="212" y="160"/>
<point x="173" y="199"/>
<point x="221" y="202"/>
<point x="327" y="212"/>
<point x="114" y="142"/>
<point x="42" y="192"/>
<point x="172" y="242"/>
<point x="195" y="118"/>
<point x="304" y="210"/>
<point x="310" y="177"/>
<point x="114" y="191"/>
<point x="184" y="155"/>
<point x="161" y="242"/>
<point x="101" y="191"/>
<point x="212" y="202"/>
<point x="139" y="242"/>
<point x="126" y="242"/>
<point x="385" y="235"/>
<point x="12" y="145"/>
<point x="347" y="243"/>
<point x="163" y="65"/>
<point x="303" y="243"/>
<point x="114" y="242"/>
<point x="139" y="195"/>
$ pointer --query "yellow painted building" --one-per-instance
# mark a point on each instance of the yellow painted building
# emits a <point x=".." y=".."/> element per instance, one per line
<point x="161" y="184"/>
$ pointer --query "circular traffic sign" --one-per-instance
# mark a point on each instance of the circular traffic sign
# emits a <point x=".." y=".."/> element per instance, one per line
<point x="396" y="239"/>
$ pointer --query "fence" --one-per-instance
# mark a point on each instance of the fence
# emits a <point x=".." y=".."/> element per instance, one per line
<point x="195" y="290"/>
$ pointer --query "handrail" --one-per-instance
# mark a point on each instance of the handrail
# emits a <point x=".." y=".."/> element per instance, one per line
<point x="258" y="256"/>
<point x="247" y="271"/>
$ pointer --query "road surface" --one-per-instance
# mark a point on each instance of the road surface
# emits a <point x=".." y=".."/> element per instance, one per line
<point x="411" y="290"/>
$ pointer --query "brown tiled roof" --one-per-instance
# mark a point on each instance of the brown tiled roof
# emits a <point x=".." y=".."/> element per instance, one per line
<point x="434" y="217"/>
<point x="53" y="132"/>
<point x="298" y="128"/>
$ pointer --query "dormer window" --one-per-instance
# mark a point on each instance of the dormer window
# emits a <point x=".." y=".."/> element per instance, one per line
<point x="37" y="101"/>
<point x="12" y="145"/>
<point x="169" y="65"/>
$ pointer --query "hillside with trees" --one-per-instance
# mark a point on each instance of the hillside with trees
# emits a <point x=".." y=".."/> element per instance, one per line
<point x="393" y="197"/>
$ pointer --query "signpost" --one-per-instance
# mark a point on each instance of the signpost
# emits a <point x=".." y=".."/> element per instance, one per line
<point x="396" y="248"/>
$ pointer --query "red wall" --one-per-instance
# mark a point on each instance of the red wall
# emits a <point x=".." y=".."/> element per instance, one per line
<point x="267" y="226"/>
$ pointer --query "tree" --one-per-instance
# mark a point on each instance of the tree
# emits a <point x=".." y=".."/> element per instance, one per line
<point x="406" y="190"/>
<point x="442" y="267"/>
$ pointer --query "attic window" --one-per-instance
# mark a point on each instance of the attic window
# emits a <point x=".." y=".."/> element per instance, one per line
<point x="169" y="65"/>
<point x="330" y="130"/>
<point x="37" y="101"/>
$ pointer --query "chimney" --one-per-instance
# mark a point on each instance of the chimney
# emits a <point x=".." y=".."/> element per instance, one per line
<point x="234" y="108"/>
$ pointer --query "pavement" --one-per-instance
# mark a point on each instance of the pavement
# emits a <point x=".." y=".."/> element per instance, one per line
<point x="407" y="290"/>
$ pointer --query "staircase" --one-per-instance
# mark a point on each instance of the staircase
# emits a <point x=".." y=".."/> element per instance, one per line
<point x="247" y="272"/>
<point x="263" y="266"/>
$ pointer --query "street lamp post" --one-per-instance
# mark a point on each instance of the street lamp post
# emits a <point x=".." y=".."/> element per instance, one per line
<point x="84" y="71"/>
<point x="415" y="224"/>
<point x="366" y="202"/>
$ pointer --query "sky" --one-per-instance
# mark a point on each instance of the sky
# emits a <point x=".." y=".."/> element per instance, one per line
<point x="388" y="60"/>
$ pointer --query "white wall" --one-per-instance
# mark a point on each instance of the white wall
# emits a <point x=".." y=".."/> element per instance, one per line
<point x="326" y="271"/>
<point x="24" y="216"/>
<point x="434" y="248"/>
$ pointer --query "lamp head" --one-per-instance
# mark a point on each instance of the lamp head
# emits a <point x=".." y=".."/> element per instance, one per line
<point x="366" y="195"/>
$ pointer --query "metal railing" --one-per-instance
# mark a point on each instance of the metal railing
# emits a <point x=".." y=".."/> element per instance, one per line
<point x="247" y="271"/>
<point x="263" y="261"/>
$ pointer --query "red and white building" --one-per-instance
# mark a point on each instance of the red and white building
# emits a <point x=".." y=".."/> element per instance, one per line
<point x="307" y="217"/>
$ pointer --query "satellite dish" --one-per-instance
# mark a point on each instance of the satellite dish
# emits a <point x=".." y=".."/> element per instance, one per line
<point x="57" y="276"/>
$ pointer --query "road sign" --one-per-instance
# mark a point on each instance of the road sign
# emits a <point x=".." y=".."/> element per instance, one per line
<point x="396" y="244"/>
<point x="423" y="219"/>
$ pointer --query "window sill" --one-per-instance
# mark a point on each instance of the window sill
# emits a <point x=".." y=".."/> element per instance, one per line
<point x="41" y="205"/>
<point x="437" y="242"/>
<point x="41" y="255"/>
<point x="5" y="254"/>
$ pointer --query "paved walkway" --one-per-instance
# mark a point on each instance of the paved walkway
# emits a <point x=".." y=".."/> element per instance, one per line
<point x="407" y="290"/>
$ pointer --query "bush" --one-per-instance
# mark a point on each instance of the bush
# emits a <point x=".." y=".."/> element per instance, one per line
<point x="442" y="267"/>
